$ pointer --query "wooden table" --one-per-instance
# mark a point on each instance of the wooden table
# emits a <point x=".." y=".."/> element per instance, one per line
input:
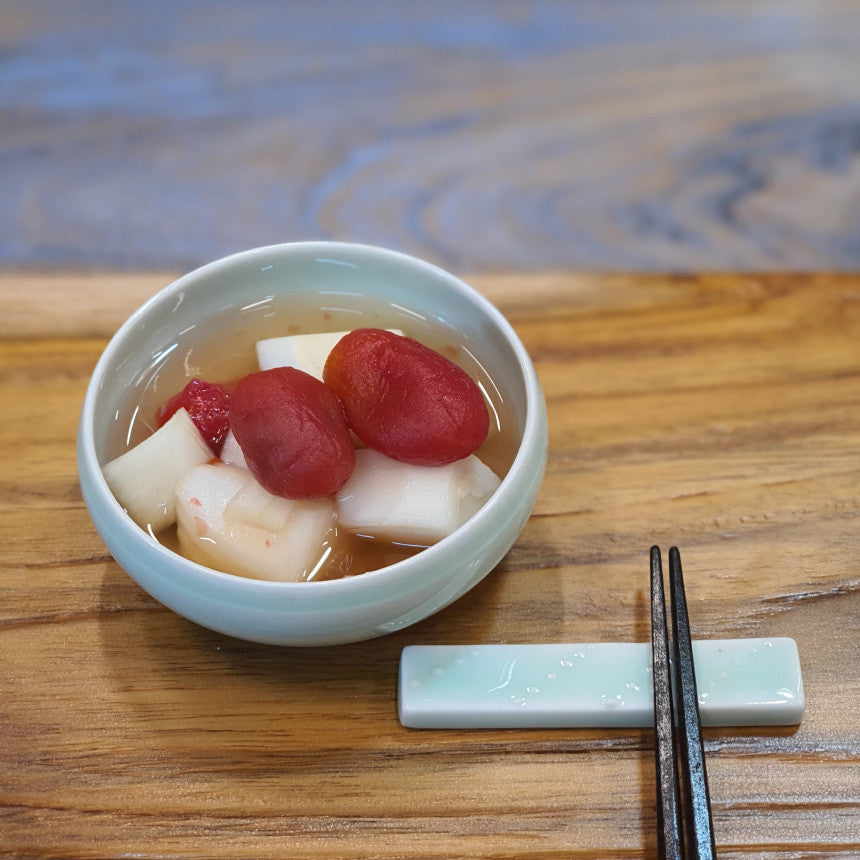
<point x="491" y="134"/>
<point x="721" y="413"/>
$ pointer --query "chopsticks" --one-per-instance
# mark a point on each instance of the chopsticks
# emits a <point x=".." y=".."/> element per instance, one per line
<point x="685" y="828"/>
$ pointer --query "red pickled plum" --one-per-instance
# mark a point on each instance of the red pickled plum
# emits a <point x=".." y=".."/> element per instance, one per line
<point x="292" y="431"/>
<point x="207" y="403"/>
<point x="406" y="400"/>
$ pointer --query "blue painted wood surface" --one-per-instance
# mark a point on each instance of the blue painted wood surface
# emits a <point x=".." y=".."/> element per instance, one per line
<point x="480" y="135"/>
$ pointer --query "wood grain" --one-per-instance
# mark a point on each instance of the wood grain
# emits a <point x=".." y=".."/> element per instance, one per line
<point x="483" y="136"/>
<point x="718" y="412"/>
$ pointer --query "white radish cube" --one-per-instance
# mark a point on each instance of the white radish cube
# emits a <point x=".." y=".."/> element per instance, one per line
<point x="144" y="478"/>
<point x="231" y="453"/>
<point x="307" y="352"/>
<point x="256" y="506"/>
<point x="227" y="521"/>
<point x="415" y="504"/>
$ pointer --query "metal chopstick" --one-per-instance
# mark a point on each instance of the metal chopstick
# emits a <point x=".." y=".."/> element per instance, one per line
<point x="685" y="824"/>
<point x="693" y="775"/>
<point x="668" y="795"/>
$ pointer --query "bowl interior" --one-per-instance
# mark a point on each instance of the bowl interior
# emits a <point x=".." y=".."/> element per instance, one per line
<point x="260" y="284"/>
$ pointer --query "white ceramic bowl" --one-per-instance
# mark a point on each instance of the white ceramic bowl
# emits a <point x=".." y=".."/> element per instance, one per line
<point x="333" y="611"/>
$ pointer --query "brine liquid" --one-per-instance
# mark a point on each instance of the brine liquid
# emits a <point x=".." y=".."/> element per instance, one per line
<point x="222" y="349"/>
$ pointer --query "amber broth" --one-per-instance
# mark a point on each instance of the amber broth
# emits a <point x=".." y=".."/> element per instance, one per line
<point x="222" y="349"/>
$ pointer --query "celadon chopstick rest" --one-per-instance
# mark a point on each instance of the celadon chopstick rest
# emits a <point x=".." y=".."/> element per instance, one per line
<point x="740" y="682"/>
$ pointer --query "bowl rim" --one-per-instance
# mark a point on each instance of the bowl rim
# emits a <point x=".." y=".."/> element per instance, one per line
<point x="532" y="432"/>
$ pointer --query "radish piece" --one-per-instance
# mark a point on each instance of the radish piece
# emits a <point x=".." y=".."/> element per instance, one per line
<point x="231" y="453"/>
<point x="416" y="504"/>
<point x="227" y="521"/>
<point x="307" y="352"/>
<point x="254" y="505"/>
<point x="144" y="478"/>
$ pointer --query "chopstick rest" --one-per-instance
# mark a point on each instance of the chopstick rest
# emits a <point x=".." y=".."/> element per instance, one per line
<point x="741" y="682"/>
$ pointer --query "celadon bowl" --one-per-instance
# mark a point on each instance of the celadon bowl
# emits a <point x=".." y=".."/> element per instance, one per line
<point x="335" y="611"/>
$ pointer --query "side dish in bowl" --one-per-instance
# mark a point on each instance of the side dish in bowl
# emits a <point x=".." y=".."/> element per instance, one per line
<point x="312" y="443"/>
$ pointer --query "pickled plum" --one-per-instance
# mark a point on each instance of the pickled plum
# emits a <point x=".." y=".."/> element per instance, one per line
<point x="293" y="433"/>
<point x="207" y="405"/>
<point x="406" y="400"/>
